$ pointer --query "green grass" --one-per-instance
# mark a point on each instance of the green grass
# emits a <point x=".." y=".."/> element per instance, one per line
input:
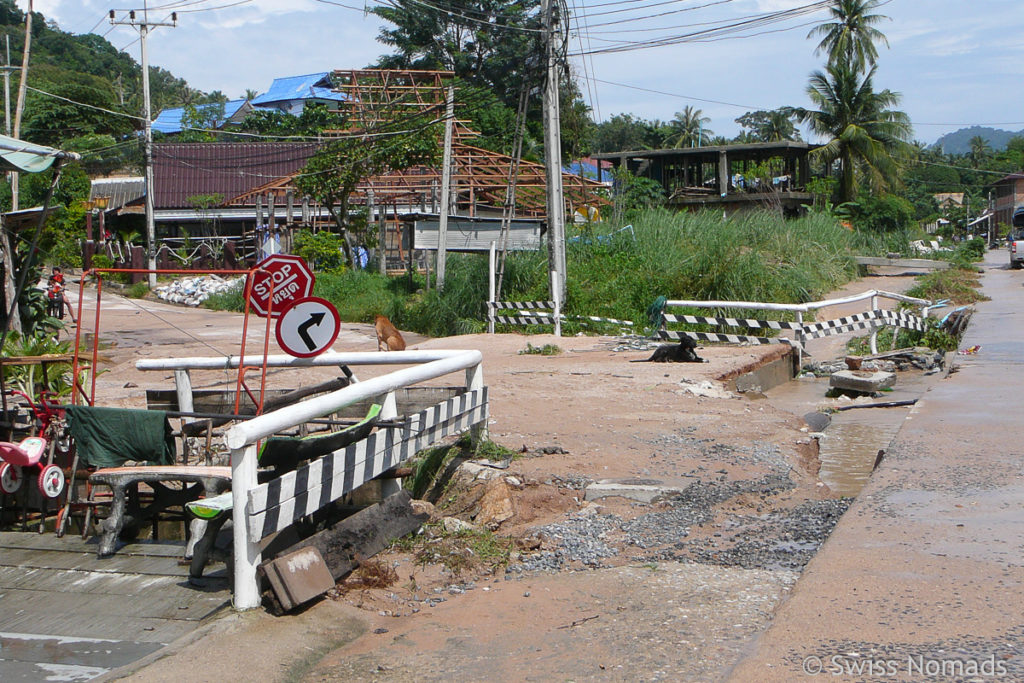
<point x="752" y="256"/>
<point x="546" y="350"/>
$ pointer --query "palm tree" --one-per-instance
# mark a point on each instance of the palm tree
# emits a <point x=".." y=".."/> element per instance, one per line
<point x="851" y="35"/>
<point x="250" y="94"/>
<point x="687" y="128"/>
<point x="980" y="150"/>
<point x="863" y="133"/>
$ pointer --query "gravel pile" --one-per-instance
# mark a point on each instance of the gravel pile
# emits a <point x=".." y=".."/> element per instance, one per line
<point x="581" y="538"/>
<point x="781" y="540"/>
<point x="693" y="507"/>
<point x="193" y="291"/>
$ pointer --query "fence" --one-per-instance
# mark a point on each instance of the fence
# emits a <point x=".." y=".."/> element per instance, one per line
<point x="262" y="509"/>
<point x="872" y="319"/>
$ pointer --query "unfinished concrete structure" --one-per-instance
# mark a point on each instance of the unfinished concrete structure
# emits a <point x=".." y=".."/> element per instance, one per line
<point x="730" y="178"/>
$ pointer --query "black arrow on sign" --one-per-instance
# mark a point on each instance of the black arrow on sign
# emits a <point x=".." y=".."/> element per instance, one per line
<point x="314" y="321"/>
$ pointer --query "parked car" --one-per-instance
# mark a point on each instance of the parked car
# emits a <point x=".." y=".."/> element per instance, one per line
<point x="1015" y="241"/>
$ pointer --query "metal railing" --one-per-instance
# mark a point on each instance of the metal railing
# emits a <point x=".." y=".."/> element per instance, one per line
<point x="873" y="318"/>
<point x="422" y="430"/>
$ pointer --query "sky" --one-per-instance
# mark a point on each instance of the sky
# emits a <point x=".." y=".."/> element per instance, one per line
<point x="955" y="63"/>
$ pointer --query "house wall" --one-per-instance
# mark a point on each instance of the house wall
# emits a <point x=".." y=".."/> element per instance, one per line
<point x="1009" y="194"/>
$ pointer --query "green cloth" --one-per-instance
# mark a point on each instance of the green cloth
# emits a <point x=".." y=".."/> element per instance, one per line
<point x="110" y="437"/>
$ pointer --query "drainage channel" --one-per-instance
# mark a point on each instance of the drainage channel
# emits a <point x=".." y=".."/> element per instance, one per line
<point x="849" y="446"/>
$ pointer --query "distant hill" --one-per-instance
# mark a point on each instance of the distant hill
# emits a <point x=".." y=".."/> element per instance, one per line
<point x="86" y="69"/>
<point x="958" y="142"/>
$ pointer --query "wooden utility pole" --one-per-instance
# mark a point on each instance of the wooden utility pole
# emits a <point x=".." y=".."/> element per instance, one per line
<point x="446" y="186"/>
<point x="20" y="107"/>
<point x="143" y="27"/>
<point x="553" y="153"/>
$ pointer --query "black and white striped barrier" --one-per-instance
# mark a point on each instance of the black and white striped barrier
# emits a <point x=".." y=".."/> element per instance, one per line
<point x="803" y="331"/>
<point x="279" y="503"/>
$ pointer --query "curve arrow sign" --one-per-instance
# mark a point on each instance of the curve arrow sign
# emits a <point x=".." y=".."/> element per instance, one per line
<point x="308" y="327"/>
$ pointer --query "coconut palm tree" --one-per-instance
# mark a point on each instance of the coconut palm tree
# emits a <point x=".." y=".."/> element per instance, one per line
<point x="980" y="150"/>
<point x="864" y="134"/>
<point x="687" y="128"/>
<point x="851" y="35"/>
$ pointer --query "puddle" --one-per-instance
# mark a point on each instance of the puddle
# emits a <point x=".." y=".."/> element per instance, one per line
<point x="851" y="442"/>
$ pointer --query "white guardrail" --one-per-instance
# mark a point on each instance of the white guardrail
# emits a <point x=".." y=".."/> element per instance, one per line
<point x="872" y="319"/>
<point x="259" y="510"/>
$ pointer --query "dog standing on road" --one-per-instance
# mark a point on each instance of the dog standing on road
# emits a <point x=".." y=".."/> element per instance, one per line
<point x="388" y="335"/>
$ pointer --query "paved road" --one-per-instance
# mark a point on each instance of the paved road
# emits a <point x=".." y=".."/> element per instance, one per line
<point x="922" y="578"/>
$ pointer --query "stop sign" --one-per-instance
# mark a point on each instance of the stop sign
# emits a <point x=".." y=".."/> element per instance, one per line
<point x="282" y="276"/>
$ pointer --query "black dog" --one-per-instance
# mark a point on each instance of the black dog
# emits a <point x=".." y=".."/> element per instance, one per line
<point x="683" y="352"/>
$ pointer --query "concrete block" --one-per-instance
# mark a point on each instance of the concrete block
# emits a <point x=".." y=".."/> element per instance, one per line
<point x="643" y="493"/>
<point x="861" y="381"/>
<point x="299" y="577"/>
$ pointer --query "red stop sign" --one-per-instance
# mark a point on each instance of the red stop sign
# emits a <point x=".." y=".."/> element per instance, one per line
<point x="284" y="277"/>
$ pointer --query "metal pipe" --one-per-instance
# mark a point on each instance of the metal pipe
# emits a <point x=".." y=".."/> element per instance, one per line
<point x="798" y="307"/>
<point x="285" y="361"/>
<point x="289" y="416"/>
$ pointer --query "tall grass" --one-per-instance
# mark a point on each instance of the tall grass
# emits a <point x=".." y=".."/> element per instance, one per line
<point x="752" y="257"/>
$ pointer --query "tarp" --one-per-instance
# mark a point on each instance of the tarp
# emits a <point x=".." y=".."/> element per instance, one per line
<point x="18" y="155"/>
<point x="110" y="437"/>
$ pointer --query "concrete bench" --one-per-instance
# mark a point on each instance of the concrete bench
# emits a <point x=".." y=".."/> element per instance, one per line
<point x="208" y="516"/>
<point x="126" y="510"/>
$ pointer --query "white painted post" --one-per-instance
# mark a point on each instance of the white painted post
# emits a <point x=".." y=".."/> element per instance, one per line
<point x="183" y="387"/>
<point x="874" y="328"/>
<point x="389" y="411"/>
<point x="801" y="340"/>
<point x="247" y="549"/>
<point x="475" y="381"/>
<point x="491" y="295"/>
<point x="556" y="291"/>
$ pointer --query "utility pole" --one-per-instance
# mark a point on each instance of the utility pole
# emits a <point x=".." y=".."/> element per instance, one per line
<point x="20" y="107"/>
<point x="446" y="185"/>
<point x="553" y="153"/>
<point x="143" y="26"/>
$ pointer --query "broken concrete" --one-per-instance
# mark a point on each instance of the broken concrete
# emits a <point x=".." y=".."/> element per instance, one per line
<point x="640" y="492"/>
<point x="862" y="381"/>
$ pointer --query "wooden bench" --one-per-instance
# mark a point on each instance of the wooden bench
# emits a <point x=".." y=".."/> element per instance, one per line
<point x="126" y="511"/>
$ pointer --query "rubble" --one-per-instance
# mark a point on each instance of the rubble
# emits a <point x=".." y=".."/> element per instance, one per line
<point x="192" y="291"/>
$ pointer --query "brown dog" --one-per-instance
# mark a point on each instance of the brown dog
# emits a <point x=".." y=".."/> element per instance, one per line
<point x="388" y="335"/>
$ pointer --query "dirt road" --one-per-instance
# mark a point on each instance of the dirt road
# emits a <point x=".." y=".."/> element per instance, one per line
<point x="612" y="589"/>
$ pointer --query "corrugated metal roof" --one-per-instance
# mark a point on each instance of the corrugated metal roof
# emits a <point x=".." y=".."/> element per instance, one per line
<point x="311" y="86"/>
<point x="119" y="191"/>
<point x="169" y="120"/>
<point x="183" y="170"/>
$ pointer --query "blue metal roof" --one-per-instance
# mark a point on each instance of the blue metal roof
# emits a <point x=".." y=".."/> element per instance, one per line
<point x="310" y="86"/>
<point x="169" y="120"/>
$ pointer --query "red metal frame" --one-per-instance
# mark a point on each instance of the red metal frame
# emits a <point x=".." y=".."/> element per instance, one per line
<point x="90" y="397"/>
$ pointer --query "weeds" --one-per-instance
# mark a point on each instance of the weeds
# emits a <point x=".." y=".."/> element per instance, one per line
<point x="461" y="551"/>
<point x="958" y="286"/>
<point x="429" y="464"/>
<point x="546" y="350"/>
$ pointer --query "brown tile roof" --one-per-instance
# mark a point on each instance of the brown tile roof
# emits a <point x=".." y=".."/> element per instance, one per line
<point x="183" y="170"/>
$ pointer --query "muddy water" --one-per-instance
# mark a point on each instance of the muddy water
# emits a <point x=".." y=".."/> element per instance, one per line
<point x="850" y="444"/>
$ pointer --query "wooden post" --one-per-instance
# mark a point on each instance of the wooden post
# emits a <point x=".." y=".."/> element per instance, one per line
<point x="289" y="207"/>
<point x="723" y="173"/>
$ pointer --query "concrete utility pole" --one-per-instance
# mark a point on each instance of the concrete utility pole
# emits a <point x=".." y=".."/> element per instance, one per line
<point x="446" y="186"/>
<point x="20" y="107"/>
<point x="553" y="153"/>
<point x="143" y="27"/>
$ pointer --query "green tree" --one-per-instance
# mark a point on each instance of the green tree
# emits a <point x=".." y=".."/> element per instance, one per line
<point x="864" y="135"/>
<point x="333" y="173"/>
<point x="687" y="129"/>
<point x="850" y="37"/>
<point x="980" y="150"/>
<point x="770" y="126"/>
<point x="625" y="132"/>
